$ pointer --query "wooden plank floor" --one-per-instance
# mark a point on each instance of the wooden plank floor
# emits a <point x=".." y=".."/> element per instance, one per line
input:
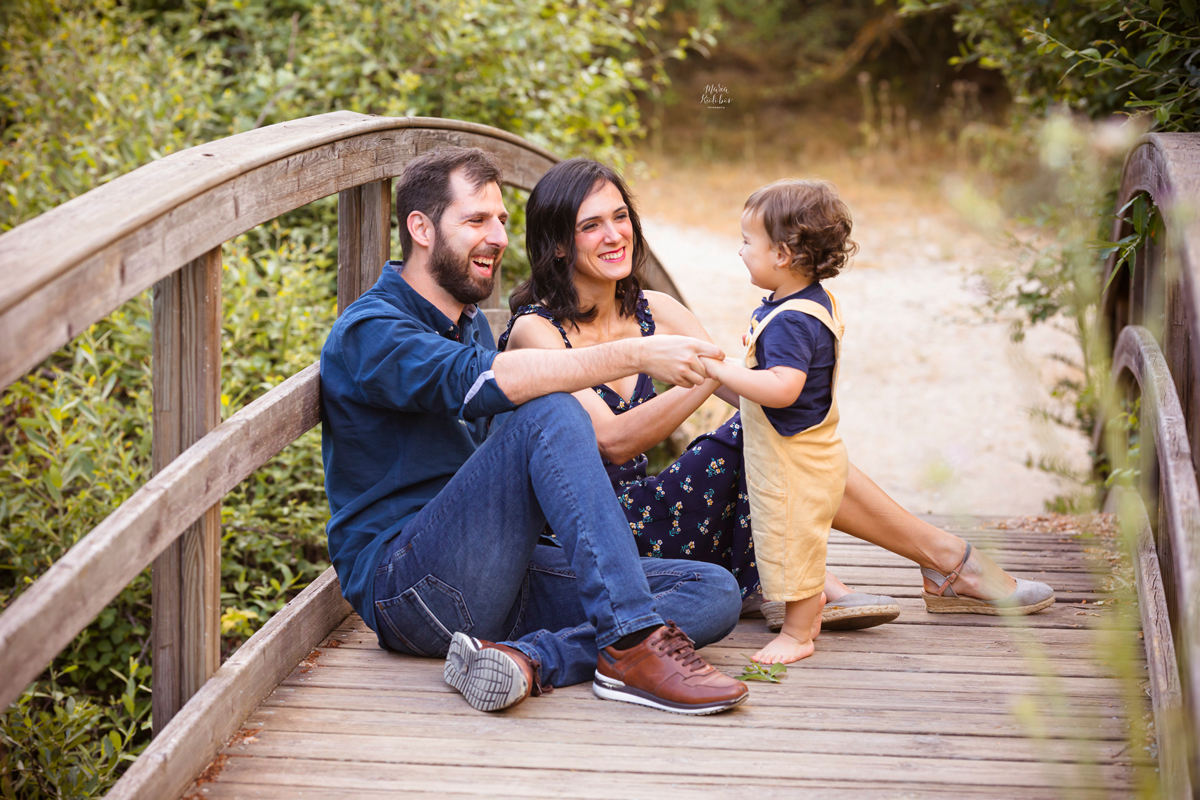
<point x="928" y="706"/>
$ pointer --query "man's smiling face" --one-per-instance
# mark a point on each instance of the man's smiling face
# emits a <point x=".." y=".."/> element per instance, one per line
<point x="470" y="240"/>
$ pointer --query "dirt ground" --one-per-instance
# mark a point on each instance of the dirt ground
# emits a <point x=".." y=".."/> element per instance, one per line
<point x="935" y="398"/>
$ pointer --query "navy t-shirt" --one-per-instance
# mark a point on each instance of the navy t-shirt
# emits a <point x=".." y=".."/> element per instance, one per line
<point x="800" y="341"/>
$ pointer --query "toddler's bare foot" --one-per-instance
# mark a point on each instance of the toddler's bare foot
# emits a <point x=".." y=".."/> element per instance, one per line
<point x="801" y="624"/>
<point x="784" y="649"/>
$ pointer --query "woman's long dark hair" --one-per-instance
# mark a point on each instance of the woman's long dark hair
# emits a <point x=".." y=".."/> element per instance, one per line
<point x="550" y="225"/>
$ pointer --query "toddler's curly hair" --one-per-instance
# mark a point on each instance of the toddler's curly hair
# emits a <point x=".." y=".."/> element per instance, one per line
<point x="810" y="221"/>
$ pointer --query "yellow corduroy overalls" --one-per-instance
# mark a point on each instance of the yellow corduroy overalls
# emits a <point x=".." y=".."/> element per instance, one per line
<point x="795" y="482"/>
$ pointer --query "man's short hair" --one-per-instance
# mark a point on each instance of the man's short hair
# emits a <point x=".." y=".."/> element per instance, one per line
<point x="425" y="184"/>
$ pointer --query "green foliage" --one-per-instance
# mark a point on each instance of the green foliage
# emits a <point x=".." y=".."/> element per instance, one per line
<point x="1101" y="57"/>
<point x="1125" y="428"/>
<point x="1060" y="260"/>
<point x="56" y="744"/>
<point x="75" y="444"/>
<point x="90" y="90"/>
<point x="790" y="50"/>
<point x="755" y="671"/>
<point x="1143" y="215"/>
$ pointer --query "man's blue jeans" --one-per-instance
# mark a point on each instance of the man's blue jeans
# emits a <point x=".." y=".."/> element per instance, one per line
<point x="470" y="560"/>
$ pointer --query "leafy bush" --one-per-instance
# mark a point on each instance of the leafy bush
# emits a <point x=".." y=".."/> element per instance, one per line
<point x="1103" y="57"/>
<point x="56" y="744"/>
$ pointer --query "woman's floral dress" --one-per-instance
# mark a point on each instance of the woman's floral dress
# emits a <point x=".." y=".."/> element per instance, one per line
<point x="695" y="509"/>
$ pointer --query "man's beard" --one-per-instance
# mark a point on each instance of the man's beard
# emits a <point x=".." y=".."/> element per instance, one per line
<point x="452" y="271"/>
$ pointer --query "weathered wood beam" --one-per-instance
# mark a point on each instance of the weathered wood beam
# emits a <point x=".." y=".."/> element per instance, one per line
<point x="186" y="578"/>
<point x="1166" y="695"/>
<point x="192" y="739"/>
<point x="364" y="238"/>
<point x="1137" y="353"/>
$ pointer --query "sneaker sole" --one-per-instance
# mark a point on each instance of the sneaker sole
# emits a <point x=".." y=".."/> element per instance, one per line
<point x="488" y="679"/>
<point x="613" y="689"/>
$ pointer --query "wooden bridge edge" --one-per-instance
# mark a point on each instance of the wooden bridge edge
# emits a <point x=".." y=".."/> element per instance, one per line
<point x="1137" y="353"/>
<point x="1166" y="695"/>
<point x="192" y="739"/>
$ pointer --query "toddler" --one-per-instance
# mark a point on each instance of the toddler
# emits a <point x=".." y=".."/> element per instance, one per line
<point x="794" y="235"/>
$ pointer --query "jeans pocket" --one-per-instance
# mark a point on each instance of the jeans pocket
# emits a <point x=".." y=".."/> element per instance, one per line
<point x="423" y="617"/>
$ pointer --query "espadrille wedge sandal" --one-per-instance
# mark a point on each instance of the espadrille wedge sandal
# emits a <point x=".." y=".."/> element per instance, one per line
<point x="1029" y="597"/>
<point x="850" y="612"/>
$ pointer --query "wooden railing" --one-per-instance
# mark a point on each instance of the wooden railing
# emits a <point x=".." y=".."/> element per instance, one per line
<point x="163" y="226"/>
<point x="1153" y="312"/>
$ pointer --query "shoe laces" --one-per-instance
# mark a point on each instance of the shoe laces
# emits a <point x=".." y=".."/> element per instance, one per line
<point x="538" y="689"/>
<point x="676" y="644"/>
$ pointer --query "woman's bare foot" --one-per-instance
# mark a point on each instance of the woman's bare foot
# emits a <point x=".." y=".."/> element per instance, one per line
<point x="787" y="647"/>
<point x="834" y="589"/>
<point x="980" y="577"/>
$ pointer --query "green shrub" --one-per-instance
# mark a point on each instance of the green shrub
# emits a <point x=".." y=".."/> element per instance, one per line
<point x="1101" y="57"/>
<point x="55" y="744"/>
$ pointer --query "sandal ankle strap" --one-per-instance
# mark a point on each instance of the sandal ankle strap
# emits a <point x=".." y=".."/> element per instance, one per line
<point x="944" y="581"/>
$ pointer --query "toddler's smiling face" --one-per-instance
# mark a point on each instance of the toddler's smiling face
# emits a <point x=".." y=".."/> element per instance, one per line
<point x="766" y="261"/>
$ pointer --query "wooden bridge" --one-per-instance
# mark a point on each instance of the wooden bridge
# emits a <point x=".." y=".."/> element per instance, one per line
<point x="310" y="707"/>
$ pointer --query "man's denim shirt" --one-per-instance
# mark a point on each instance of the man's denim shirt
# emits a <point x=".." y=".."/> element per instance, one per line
<point x="405" y="399"/>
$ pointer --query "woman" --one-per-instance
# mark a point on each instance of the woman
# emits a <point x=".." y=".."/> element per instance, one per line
<point x="586" y="253"/>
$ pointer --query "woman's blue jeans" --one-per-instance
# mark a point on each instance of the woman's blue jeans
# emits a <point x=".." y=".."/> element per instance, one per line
<point x="471" y="560"/>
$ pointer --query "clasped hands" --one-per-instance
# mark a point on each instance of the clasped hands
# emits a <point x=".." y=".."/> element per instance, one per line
<point x="679" y="360"/>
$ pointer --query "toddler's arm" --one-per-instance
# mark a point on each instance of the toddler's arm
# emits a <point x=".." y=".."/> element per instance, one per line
<point x="777" y="387"/>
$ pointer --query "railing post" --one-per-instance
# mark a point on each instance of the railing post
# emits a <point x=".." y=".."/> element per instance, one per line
<point x="364" y="238"/>
<point x="186" y="578"/>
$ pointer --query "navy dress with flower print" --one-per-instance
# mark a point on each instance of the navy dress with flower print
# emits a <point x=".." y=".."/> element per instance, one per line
<point x="695" y="509"/>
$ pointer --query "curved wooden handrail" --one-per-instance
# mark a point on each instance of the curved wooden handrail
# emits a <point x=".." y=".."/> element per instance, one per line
<point x="1138" y="355"/>
<point x="68" y="268"/>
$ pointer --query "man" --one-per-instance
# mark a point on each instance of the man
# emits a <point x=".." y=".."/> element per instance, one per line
<point x="437" y="520"/>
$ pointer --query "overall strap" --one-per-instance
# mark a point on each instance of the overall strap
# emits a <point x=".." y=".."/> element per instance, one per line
<point x="813" y="309"/>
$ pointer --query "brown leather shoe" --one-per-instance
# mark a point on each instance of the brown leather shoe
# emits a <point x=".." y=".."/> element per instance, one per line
<point x="491" y="676"/>
<point x="666" y="673"/>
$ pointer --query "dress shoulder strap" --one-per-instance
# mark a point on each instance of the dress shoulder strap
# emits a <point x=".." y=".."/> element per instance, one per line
<point x="644" y="317"/>
<point x="525" y="311"/>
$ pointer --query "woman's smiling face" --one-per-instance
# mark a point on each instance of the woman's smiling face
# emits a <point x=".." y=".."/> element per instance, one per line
<point x="604" y="235"/>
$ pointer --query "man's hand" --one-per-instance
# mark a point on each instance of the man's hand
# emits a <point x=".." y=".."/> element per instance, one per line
<point x="676" y="359"/>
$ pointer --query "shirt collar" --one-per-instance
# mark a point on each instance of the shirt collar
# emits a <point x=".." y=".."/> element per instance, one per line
<point x="807" y="293"/>
<point x="412" y="301"/>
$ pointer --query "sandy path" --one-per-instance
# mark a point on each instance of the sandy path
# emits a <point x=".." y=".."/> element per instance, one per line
<point x="934" y="396"/>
